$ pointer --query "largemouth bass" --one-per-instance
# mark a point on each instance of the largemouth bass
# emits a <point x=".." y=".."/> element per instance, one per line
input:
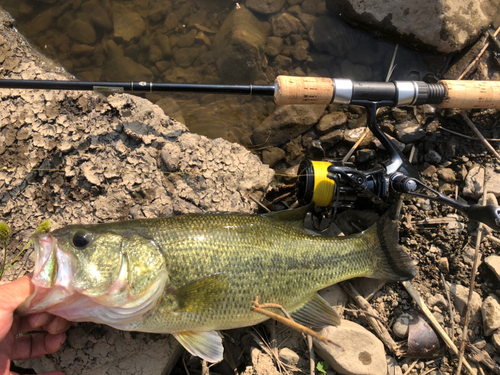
<point x="195" y="274"/>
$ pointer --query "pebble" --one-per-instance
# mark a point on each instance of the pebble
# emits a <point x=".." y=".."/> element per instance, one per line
<point x="272" y="156"/>
<point x="460" y="295"/>
<point x="447" y="175"/>
<point x="409" y="132"/>
<point x="493" y="262"/>
<point x="401" y="326"/>
<point x="363" y="352"/>
<point x="437" y="300"/>
<point x="495" y="340"/>
<point x="331" y="121"/>
<point x="429" y="171"/>
<point x="288" y="356"/>
<point x="490" y="310"/>
<point x="433" y="157"/>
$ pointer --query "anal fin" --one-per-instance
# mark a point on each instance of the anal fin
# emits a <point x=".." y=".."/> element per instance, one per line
<point x="317" y="313"/>
<point x="206" y="345"/>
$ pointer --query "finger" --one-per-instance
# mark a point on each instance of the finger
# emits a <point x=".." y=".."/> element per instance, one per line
<point x="34" y="322"/>
<point x="37" y="344"/>
<point x="14" y="293"/>
<point x="57" y="325"/>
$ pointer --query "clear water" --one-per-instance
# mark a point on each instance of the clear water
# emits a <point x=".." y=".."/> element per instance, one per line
<point x="81" y="35"/>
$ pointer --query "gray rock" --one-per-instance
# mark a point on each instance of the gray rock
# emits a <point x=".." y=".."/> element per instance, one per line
<point x="432" y="157"/>
<point x="393" y="367"/>
<point x="331" y="121"/>
<point x="335" y="295"/>
<point x="286" y="123"/>
<point x="474" y="182"/>
<point x="81" y="31"/>
<point x="289" y="357"/>
<point x="490" y="310"/>
<point x="127" y="24"/>
<point x="265" y="6"/>
<point x="351" y="136"/>
<point x="460" y="295"/>
<point x="445" y="26"/>
<point x="447" y="175"/>
<point x="272" y="156"/>
<point x="401" y="326"/>
<point x="493" y="262"/>
<point x="331" y="139"/>
<point x="437" y="300"/>
<point x="239" y="46"/>
<point x="363" y="352"/>
<point x="408" y="132"/>
<point x="331" y="34"/>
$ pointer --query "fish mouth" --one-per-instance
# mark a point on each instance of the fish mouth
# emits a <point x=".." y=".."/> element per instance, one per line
<point x="52" y="276"/>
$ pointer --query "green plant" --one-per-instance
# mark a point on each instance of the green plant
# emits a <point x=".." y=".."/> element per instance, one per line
<point x="4" y="237"/>
<point x="322" y="366"/>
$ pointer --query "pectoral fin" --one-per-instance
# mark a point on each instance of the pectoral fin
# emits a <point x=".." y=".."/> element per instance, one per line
<point x="295" y="217"/>
<point x="317" y="313"/>
<point x="202" y="294"/>
<point x="206" y="345"/>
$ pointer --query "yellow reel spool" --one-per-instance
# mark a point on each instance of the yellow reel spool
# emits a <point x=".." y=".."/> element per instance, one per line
<point x="324" y="187"/>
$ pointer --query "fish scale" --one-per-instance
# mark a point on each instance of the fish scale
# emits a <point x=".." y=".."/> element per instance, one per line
<point x="191" y="275"/>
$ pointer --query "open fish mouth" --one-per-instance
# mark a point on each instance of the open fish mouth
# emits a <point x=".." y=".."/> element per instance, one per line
<point x="52" y="276"/>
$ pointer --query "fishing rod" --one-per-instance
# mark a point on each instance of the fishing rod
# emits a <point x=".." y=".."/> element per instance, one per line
<point x="332" y="183"/>
<point x="307" y="90"/>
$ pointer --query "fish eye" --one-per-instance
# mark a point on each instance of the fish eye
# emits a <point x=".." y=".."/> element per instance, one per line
<point x="81" y="239"/>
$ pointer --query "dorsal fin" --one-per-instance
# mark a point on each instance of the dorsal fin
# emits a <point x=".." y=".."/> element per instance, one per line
<point x="295" y="217"/>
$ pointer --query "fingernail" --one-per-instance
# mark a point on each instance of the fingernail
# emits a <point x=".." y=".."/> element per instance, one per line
<point x="62" y="324"/>
<point x="40" y="320"/>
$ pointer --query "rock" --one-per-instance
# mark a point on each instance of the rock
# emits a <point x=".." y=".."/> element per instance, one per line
<point x="285" y="24"/>
<point x="445" y="26"/>
<point x="171" y="109"/>
<point x="351" y="136"/>
<point x="401" y="326"/>
<point x="493" y="262"/>
<point x="393" y="367"/>
<point x="122" y="68"/>
<point x="447" y="175"/>
<point x="331" y="139"/>
<point x="365" y="154"/>
<point x="185" y="57"/>
<point x="286" y="123"/>
<point x="474" y="183"/>
<point x="314" y="7"/>
<point x="437" y="300"/>
<point x="265" y="6"/>
<point x="490" y="310"/>
<point x="408" y="132"/>
<point x="460" y="295"/>
<point x="429" y="171"/>
<point x="491" y="199"/>
<point x="163" y="42"/>
<point x="493" y="182"/>
<point x="331" y="121"/>
<point x="274" y="46"/>
<point x="444" y="264"/>
<point x="283" y="62"/>
<point x="262" y="364"/>
<point x="239" y="46"/>
<point x="335" y="296"/>
<point x="81" y="31"/>
<point x="400" y="115"/>
<point x="495" y="340"/>
<point x="171" y="22"/>
<point x="432" y="157"/>
<point x="127" y="24"/>
<point x="398" y="144"/>
<point x="289" y="357"/>
<point x="359" y="72"/>
<point x="331" y="34"/>
<point x="272" y="156"/>
<point x="363" y="352"/>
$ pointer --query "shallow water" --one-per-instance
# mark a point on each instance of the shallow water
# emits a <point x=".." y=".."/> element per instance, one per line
<point x="173" y="41"/>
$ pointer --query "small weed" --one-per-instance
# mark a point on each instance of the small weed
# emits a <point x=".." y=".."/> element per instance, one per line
<point x="322" y="367"/>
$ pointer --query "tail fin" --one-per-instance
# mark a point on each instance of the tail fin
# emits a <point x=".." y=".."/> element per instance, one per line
<point x="392" y="263"/>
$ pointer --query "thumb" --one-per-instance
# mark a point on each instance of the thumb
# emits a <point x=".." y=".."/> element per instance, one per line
<point x="14" y="293"/>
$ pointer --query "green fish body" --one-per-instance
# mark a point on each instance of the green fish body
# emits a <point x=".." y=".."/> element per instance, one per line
<point x="195" y="274"/>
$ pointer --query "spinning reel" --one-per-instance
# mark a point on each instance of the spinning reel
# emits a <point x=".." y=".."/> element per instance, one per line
<point x="340" y="185"/>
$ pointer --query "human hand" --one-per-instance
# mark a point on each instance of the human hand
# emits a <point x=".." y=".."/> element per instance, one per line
<point x="28" y="346"/>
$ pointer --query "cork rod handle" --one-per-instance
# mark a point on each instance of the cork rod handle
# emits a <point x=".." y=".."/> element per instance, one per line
<point x="471" y="94"/>
<point x="303" y="90"/>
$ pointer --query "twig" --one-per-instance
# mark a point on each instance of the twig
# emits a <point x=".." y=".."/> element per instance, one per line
<point x="312" y="358"/>
<point x="478" y="133"/>
<point x="391" y="66"/>
<point x="353" y="148"/>
<point x="450" y="309"/>
<point x="260" y="204"/>
<point x="411" y="367"/>
<point x="379" y="328"/>
<point x="477" y="257"/>
<point x="492" y="238"/>
<point x="467" y="136"/>
<point x="471" y="65"/>
<point x="204" y="368"/>
<point x="482" y="356"/>
<point x="185" y="367"/>
<point x="413" y="292"/>
<point x="290" y="323"/>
